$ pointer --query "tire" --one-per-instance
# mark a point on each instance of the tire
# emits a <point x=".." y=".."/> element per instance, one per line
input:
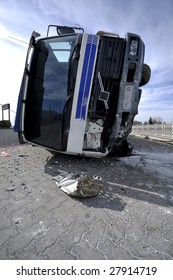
<point x="146" y="74"/>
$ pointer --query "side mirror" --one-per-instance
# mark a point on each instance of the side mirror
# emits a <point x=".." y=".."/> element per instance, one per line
<point x="64" y="30"/>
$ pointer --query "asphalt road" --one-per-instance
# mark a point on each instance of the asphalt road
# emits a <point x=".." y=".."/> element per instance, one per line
<point x="130" y="218"/>
<point x="8" y="137"/>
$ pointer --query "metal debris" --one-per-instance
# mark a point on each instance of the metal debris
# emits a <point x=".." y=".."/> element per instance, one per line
<point x="80" y="185"/>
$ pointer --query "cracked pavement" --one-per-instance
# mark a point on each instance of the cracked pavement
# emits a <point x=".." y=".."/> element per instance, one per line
<point x="131" y="218"/>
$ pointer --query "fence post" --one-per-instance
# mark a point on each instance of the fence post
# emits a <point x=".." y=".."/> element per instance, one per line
<point x="164" y="128"/>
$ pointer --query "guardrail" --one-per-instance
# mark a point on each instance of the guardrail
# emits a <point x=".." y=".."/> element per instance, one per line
<point x="161" y="131"/>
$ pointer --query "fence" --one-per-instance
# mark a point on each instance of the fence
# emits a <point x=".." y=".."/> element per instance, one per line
<point x="161" y="131"/>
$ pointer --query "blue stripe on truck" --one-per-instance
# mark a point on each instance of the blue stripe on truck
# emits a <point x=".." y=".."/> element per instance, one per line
<point x="85" y="82"/>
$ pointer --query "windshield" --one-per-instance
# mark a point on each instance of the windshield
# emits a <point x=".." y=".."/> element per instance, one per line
<point x="48" y="91"/>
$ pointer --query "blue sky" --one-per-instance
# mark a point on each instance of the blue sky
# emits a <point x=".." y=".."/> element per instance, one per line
<point x="151" y="19"/>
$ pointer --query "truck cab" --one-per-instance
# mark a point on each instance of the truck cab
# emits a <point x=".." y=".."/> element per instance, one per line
<point x="80" y="92"/>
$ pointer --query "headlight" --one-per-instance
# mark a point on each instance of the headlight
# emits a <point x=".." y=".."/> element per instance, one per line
<point x="133" y="47"/>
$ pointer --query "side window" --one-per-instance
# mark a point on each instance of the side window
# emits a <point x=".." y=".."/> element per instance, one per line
<point x="55" y="80"/>
<point x="61" y="50"/>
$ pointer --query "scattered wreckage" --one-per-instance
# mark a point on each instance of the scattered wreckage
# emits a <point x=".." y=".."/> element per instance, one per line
<point x="80" y="185"/>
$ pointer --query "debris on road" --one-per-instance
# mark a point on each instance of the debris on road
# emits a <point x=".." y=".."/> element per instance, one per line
<point x="4" y="154"/>
<point x="79" y="185"/>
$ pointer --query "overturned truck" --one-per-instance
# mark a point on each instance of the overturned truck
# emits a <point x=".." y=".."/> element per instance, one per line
<point x="80" y="92"/>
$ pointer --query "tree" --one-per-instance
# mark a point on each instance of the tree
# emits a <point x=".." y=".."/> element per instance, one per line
<point x="154" y="120"/>
<point x="151" y="121"/>
<point x="158" y="120"/>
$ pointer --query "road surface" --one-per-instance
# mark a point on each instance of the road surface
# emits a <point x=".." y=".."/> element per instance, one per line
<point x="130" y="218"/>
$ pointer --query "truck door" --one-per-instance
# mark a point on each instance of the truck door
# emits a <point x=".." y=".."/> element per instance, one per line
<point x="18" y="127"/>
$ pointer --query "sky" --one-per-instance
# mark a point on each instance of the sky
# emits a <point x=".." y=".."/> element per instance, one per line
<point x="151" y="19"/>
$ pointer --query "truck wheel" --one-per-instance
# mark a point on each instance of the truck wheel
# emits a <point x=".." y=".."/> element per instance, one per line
<point x="146" y="73"/>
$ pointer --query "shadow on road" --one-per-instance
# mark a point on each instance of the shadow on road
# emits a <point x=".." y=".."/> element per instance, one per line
<point x="121" y="181"/>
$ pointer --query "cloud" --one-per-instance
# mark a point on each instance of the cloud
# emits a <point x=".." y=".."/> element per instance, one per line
<point x="152" y="20"/>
